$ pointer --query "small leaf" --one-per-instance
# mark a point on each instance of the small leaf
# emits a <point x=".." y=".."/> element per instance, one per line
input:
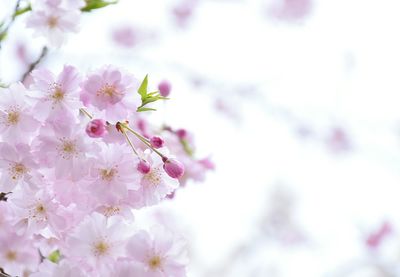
<point x="3" y="35"/>
<point x="97" y="4"/>
<point x="22" y="11"/>
<point x="143" y="87"/>
<point x="143" y="109"/>
<point x="54" y="256"/>
<point x="186" y="147"/>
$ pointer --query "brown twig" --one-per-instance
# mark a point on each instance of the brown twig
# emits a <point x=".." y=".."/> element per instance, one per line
<point x="33" y="65"/>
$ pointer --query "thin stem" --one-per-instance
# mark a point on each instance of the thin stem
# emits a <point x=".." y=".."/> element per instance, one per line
<point x="86" y="113"/>
<point x="136" y="133"/>
<point x="4" y="32"/>
<point x="33" y="65"/>
<point x="143" y="139"/>
<point x="129" y="141"/>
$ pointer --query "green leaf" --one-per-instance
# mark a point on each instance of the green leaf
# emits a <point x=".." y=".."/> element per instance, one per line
<point x="186" y="147"/>
<point x="3" y="35"/>
<point x="143" y="88"/>
<point x="22" y="11"/>
<point x="148" y="97"/>
<point x="97" y="4"/>
<point x="54" y="256"/>
<point x="143" y="109"/>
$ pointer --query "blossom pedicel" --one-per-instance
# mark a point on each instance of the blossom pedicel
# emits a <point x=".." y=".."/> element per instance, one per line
<point x="70" y="181"/>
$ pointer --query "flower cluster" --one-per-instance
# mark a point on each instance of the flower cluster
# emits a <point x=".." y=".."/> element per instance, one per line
<point x="77" y="162"/>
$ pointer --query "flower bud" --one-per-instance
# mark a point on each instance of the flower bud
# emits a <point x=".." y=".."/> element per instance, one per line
<point x="174" y="168"/>
<point x="143" y="167"/>
<point x="165" y="88"/>
<point x="181" y="133"/>
<point x="157" y="142"/>
<point x="96" y="128"/>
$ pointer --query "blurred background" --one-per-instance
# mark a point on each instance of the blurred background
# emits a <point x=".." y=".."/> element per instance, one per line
<point x="297" y="104"/>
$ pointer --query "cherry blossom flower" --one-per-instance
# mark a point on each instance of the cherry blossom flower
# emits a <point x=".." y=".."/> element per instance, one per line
<point x="56" y="94"/>
<point x="52" y="19"/>
<point x="113" y="173"/>
<point x="17" y="122"/>
<point x="36" y="210"/>
<point x="155" y="185"/>
<point x="160" y="253"/>
<point x="97" y="241"/>
<point x="62" y="145"/>
<point x="19" y="164"/>
<point x="111" y="90"/>
<point x="17" y="254"/>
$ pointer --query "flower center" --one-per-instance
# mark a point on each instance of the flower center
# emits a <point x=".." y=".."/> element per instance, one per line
<point x="100" y="248"/>
<point x="11" y="255"/>
<point x="13" y="117"/>
<point x="110" y="211"/>
<point x="38" y="213"/>
<point x="52" y="22"/>
<point x="153" y="177"/>
<point x="18" y="170"/>
<point x="108" y="90"/>
<point x="110" y="93"/>
<point x="155" y="262"/>
<point x="67" y="148"/>
<point x="58" y="94"/>
<point x="108" y="174"/>
<point x="40" y="209"/>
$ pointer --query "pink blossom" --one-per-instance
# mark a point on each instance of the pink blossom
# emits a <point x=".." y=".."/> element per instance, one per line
<point x="159" y="252"/>
<point x="19" y="165"/>
<point x="97" y="241"/>
<point x="96" y="128"/>
<point x="17" y="122"/>
<point x="61" y="145"/>
<point x="56" y="94"/>
<point x="375" y="239"/>
<point x="113" y="173"/>
<point x="53" y="19"/>
<point x="155" y="185"/>
<point x="111" y="90"/>
<point x="291" y="9"/>
<point x="36" y="210"/>
<point x="125" y="36"/>
<point x="17" y="254"/>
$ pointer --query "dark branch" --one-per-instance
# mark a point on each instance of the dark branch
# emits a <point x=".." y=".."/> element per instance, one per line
<point x="3" y="197"/>
<point x="33" y="65"/>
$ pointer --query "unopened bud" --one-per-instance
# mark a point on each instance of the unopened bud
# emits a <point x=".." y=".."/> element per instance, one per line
<point x="143" y="167"/>
<point x="96" y="128"/>
<point x="174" y="168"/>
<point x="157" y="142"/>
<point x="165" y="88"/>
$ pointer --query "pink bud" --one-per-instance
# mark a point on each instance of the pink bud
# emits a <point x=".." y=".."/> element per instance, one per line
<point x="143" y="167"/>
<point x="181" y="133"/>
<point x="165" y="88"/>
<point x="174" y="168"/>
<point x="96" y="128"/>
<point x="207" y="163"/>
<point x="157" y="142"/>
